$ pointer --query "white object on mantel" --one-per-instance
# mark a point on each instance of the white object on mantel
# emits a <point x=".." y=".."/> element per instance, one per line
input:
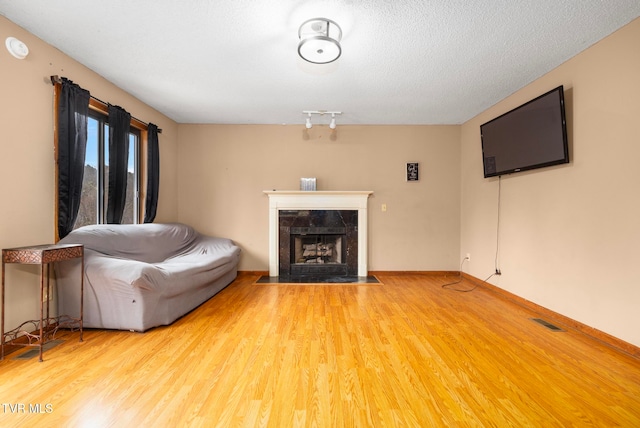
<point x="318" y="200"/>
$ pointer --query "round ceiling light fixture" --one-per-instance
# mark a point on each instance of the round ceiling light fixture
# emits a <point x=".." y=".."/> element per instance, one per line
<point x="319" y="41"/>
<point x="16" y="48"/>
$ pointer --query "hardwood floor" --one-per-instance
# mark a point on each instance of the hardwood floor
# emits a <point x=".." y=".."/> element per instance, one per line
<point x="403" y="353"/>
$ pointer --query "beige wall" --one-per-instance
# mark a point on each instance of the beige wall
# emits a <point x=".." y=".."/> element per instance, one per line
<point x="26" y="155"/>
<point x="569" y="234"/>
<point x="224" y="169"/>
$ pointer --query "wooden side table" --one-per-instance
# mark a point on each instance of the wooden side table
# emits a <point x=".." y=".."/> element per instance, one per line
<point x="44" y="329"/>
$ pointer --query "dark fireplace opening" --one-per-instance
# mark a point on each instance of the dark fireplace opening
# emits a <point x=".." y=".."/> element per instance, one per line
<point x="318" y="242"/>
<point x="317" y="250"/>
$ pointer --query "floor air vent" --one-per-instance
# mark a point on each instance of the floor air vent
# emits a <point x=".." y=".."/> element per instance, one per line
<point x="34" y="352"/>
<point x="547" y="324"/>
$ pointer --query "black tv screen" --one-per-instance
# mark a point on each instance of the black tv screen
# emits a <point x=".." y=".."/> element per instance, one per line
<point x="531" y="136"/>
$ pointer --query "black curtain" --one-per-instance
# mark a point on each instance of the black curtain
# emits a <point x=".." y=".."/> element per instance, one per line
<point x="153" y="173"/>
<point x="119" y="125"/>
<point x="73" y="114"/>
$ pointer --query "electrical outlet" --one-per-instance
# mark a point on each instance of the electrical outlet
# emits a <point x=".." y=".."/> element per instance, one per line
<point x="384" y="208"/>
<point x="498" y="272"/>
<point x="468" y="256"/>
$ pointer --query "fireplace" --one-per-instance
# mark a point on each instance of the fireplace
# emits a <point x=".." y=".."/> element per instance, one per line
<point x="307" y="218"/>
<point x="316" y="252"/>
<point x="318" y="242"/>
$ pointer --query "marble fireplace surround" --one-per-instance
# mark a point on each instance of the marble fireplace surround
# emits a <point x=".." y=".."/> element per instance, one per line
<point x="317" y="200"/>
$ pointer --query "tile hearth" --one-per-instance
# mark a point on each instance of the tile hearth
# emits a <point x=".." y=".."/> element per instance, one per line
<point x="325" y="279"/>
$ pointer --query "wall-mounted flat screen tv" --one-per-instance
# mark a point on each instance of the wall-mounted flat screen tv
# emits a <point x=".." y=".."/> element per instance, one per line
<point x="531" y="136"/>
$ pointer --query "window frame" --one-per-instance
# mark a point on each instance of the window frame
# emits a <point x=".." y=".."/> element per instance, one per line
<point x="97" y="106"/>
<point x="102" y="180"/>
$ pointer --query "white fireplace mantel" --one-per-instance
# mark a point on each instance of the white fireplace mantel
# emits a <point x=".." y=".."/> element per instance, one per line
<point x="317" y="200"/>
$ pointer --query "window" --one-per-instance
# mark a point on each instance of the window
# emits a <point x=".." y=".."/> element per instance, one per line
<point x="81" y="199"/>
<point x="93" y="200"/>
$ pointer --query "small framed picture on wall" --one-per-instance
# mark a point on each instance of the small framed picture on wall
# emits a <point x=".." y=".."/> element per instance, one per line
<point x="412" y="171"/>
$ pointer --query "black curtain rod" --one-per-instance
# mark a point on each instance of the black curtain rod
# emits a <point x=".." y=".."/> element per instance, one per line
<point x="56" y="79"/>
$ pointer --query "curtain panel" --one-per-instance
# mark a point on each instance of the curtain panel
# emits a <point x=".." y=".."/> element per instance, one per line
<point x="119" y="124"/>
<point x="153" y="173"/>
<point x="73" y="114"/>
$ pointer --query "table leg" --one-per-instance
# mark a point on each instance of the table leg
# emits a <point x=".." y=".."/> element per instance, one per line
<point x="81" y="294"/>
<point x="2" y="337"/>
<point x="42" y="273"/>
<point x="48" y="295"/>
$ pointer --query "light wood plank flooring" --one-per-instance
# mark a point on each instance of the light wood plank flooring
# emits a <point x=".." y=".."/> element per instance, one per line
<point x="403" y="353"/>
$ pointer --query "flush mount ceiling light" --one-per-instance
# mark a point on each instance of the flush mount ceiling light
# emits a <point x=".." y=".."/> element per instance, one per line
<point x="16" y="48"/>
<point x="333" y="114"/>
<point x="319" y="41"/>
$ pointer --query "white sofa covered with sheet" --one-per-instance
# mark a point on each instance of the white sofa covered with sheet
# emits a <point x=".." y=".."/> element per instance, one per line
<point x="142" y="276"/>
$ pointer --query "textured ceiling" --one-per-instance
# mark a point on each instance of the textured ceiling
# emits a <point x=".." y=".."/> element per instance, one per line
<point x="403" y="61"/>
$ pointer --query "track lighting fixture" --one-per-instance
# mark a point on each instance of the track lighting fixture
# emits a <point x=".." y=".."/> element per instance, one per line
<point x="333" y="114"/>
